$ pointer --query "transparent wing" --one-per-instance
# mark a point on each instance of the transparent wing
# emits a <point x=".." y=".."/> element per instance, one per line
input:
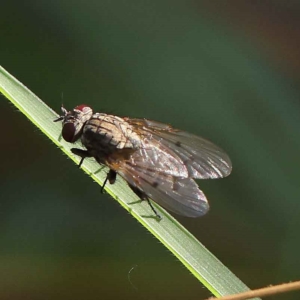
<point x="161" y="175"/>
<point x="180" y="195"/>
<point x="201" y="158"/>
<point x="164" y="165"/>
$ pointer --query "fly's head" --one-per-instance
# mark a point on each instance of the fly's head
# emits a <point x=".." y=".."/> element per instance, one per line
<point x="73" y="121"/>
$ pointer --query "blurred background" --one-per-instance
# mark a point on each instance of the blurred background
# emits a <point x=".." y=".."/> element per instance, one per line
<point x="225" y="70"/>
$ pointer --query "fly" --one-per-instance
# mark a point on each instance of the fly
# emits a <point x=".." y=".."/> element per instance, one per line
<point x="158" y="161"/>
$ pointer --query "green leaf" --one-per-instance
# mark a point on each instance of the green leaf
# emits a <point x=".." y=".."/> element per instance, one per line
<point x="203" y="264"/>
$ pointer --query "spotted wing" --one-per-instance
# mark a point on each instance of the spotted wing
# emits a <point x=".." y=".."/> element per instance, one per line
<point x="164" y="165"/>
<point x="177" y="194"/>
<point x="160" y="174"/>
<point x="202" y="158"/>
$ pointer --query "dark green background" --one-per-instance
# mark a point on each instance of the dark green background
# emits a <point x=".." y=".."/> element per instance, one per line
<point x="228" y="71"/>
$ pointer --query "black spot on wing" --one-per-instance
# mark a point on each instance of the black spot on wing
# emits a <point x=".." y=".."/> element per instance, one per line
<point x="155" y="184"/>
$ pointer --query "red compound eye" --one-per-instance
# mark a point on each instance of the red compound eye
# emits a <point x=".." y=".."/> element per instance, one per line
<point x="69" y="132"/>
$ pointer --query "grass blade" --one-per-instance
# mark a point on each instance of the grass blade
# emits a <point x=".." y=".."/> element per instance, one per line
<point x="201" y="263"/>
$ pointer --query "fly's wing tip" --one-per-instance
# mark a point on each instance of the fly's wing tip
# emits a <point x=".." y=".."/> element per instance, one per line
<point x="201" y="210"/>
<point x="227" y="166"/>
<point x="228" y="171"/>
<point x="194" y="209"/>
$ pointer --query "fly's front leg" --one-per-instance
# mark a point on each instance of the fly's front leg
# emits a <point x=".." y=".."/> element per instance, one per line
<point x="82" y="153"/>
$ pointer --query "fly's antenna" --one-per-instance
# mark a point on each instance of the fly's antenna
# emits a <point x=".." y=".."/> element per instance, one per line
<point x="63" y="110"/>
<point x="64" y="113"/>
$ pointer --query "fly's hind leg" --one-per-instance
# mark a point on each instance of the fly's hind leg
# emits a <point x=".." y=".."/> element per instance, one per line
<point x="82" y="153"/>
<point x="143" y="196"/>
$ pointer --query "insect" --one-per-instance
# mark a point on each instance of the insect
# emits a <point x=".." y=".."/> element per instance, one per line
<point x="158" y="161"/>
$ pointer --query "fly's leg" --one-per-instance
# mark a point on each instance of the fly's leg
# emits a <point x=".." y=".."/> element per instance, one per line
<point x="143" y="196"/>
<point x="111" y="177"/>
<point x="82" y="153"/>
<point x="153" y="209"/>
